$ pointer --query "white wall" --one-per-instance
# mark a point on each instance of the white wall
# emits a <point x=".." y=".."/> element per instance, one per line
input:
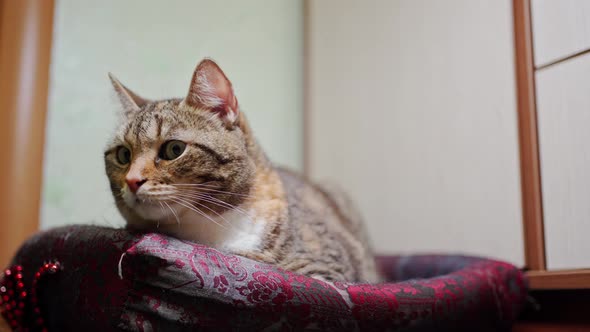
<point x="153" y="47"/>
<point x="563" y="105"/>
<point x="560" y="28"/>
<point x="413" y="111"/>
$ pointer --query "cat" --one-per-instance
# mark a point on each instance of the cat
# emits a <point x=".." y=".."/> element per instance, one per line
<point x="191" y="168"/>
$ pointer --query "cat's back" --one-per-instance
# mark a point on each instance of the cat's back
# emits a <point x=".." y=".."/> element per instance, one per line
<point x="328" y="227"/>
<point x="306" y="197"/>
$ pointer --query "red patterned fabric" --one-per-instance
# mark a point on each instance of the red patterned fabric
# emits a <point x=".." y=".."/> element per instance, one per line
<point x="113" y="279"/>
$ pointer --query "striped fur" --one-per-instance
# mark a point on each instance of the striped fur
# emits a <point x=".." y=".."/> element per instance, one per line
<point x="222" y="191"/>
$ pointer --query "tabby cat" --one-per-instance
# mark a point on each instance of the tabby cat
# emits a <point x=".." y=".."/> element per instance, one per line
<point x="191" y="168"/>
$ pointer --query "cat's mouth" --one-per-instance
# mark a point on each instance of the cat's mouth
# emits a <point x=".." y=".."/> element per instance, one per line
<point x="163" y="205"/>
<point x="155" y="210"/>
<point x="152" y="205"/>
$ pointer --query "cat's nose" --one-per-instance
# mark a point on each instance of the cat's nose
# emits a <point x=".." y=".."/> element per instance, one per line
<point x="134" y="183"/>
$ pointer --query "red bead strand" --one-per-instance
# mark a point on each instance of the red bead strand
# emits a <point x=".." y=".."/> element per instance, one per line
<point x="13" y="296"/>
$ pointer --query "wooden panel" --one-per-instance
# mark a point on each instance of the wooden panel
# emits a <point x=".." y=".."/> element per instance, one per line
<point x="532" y="207"/>
<point x="415" y="116"/>
<point x="568" y="279"/>
<point x="561" y="28"/>
<point x="563" y="105"/>
<point x="25" y="36"/>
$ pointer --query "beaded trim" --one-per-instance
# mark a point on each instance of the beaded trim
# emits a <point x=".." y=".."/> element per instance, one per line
<point x="16" y="302"/>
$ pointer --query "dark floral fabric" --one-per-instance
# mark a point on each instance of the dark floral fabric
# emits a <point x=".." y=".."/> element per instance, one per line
<point x="112" y="279"/>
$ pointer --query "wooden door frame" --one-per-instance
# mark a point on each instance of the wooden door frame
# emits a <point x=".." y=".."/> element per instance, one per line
<point x="26" y="28"/>
<point x="530" y="169"/>
<point x="530" y="166"/>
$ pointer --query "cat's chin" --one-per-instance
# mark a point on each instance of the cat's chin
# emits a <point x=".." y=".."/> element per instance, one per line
<point x="152" y="211"/>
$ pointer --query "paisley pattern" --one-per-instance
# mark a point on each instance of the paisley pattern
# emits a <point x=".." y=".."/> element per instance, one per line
<point x="113" y="279"/>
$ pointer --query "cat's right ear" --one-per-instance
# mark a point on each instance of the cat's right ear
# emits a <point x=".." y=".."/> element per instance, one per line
<point x="130" y="101"/>
<point x="211" y="90"/>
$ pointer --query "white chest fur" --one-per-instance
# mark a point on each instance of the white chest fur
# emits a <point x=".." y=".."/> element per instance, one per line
<point x="234" y="230"/>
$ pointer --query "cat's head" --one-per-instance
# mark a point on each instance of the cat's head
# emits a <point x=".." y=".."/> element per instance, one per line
<point x="172" y="155"/>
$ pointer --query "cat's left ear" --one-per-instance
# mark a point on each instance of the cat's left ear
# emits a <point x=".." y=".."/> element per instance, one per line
<point x="130" y="100"/>
<point x="211" y="90"/>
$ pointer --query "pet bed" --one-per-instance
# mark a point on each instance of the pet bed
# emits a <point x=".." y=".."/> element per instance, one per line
<point x="88" y="278"/>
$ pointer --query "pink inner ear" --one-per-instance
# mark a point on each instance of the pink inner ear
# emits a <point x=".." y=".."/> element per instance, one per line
<point x="210" y="89"/>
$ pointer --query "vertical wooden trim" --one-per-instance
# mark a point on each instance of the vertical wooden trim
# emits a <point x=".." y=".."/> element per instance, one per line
<point x="530" y="173"/>
<point x="1" y="11"/>
<point x="25" y="36"/>
<point x="306" y="87"/>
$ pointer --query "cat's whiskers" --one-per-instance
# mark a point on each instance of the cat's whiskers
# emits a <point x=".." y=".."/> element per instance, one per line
<point x="173" y="212"/>
<point x="163" y="213"/>
<point x="186" y="194"/>
<point x="247" y="216"/>
<point x="184" y="203"/>
<point x="189" y="201"/>
<point x="206" y="189"/>
<point x="202" y="184"/>
<point x="213" y="200"/>
<point x="154" y="197"/>
<point x="201" y="194"/>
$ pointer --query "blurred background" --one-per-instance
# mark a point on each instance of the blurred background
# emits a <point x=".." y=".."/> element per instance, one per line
<point x="414" y="107"/>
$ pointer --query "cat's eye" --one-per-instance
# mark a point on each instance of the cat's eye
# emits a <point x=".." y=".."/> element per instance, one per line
<point x="123" y="155"/>
<point x="172" y="150"/>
